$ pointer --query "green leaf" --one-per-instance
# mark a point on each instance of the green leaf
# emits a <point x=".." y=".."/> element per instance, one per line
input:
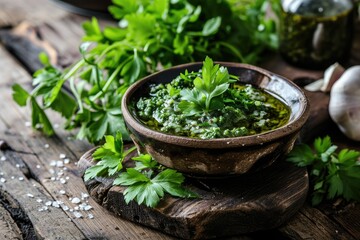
<point x="211" y="26"/>
<point x="95" y="171"/>
<point x="39" y="118"/>
<point x="20" y="95"/>
<point x="130" y="177"/>
<point x="301" y="155"/>
<point x="64" y="104"/>
<point x="44" y="59"/>
<point x="145" y="161"/>
<point x="321" y="145"/>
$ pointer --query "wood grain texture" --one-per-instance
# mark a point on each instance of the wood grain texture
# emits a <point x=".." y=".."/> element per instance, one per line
<point x="231" y="206"/>
<point x="23" y="139"/>
<point x="8" y="228"/>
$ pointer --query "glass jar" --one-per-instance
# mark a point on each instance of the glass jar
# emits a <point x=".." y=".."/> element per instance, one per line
<point x="316" y="33"/>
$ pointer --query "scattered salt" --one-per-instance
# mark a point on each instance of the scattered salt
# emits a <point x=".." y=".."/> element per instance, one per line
<point x="52" y="178"/>
<point x="17" y="165"/>
<point x="66" y="161"/>
<point x="59" y="163"/>
<point x="62" y="181"/>
<point x="53" y="163"/>
<point x="27" y="124"/>
<point x="12" y="177"/>
<point x="30" y="195"/>
<point x="84" y="196"/>
<point x="21" y="179"/>
<point x="3" y="180"/>
<point x="90" y="216"/>
<point x="62" y="156"/>
<point x="46" y="146"/>
<point x="48" y="203"/>
<point x="38" y="166"/>
<point x="39" y="200"/>
<point x="76" y="200"/>
<point x="62" y="192"/>
<point x="65" y="208"/>
<point x="3" y="158"/>
<point x="55" y="204"/>
<point x="78" y="214"/>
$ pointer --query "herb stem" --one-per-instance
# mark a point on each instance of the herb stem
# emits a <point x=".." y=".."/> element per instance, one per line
<point x="107" y="84"/>
<point x="129" y="151"/>
<point x="76" y="94"/>
<point x="74" y="69"/>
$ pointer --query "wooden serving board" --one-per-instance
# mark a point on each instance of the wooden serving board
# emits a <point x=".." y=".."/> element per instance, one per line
<point x="226" y="207"/>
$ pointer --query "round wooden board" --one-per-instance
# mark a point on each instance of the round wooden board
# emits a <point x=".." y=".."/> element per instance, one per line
<point x="232" y="206"/>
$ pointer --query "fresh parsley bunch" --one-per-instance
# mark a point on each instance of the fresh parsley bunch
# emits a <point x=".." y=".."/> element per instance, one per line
<point x="151" y="35"/>
<point x="332" y="174"/>
<point x="147" y="182"/>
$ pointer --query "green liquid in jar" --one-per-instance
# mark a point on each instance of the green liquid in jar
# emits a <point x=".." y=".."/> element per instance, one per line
<point x="316" y="34"/>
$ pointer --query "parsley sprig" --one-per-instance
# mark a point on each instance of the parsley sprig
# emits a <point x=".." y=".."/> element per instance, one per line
<point x="147" y="182"/>
<point x="151" y="35"/>
<point x="208" y="89"/>
<point x="332" y="174"/>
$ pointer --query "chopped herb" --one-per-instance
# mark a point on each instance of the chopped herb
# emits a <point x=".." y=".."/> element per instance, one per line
<point x="332" y="174"/>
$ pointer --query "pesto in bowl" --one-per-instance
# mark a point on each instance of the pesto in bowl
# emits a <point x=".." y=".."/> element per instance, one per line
<point x="179" y="107"/>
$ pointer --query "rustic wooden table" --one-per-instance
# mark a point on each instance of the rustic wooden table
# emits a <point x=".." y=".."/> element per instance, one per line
<point x="41" y="190"/>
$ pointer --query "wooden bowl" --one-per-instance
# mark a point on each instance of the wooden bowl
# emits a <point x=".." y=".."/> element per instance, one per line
<point x="222" y="156"/>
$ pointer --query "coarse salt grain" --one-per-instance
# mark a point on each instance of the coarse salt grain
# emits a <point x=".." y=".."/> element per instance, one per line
<point x="75" y="200"/>
<point x="55" y="204"/>
<point x="84" y="195"/>
<point x="12" y="177"/>
<point x="48" y="203"/>
<point x="21" y="179"/>
<point x="17" y="165"/>
<point x="46" y="146"/>
<point x="27" y="124"/>
<point x="62" y="181"/>
<point x="65" y="208"/>
<point x="62" y="156"/>
<point x="90" y="216"/>
<point x="3" y="180"/>
<point x="39" y="200"/>
<point x="59" y="163"/>
<point x="62" y="192"/>
<point x="38" y="166"/>
<point x="30" y="195"/>
<point x="66" y="161"/>
<point x="3" y="158"/>
<point x="78" y="214"/>
<point x="53" y="163"/>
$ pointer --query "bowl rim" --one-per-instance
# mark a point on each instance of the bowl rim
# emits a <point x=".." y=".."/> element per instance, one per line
<point x="250" y="140"/>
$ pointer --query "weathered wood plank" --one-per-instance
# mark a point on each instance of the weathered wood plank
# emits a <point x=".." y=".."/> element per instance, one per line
<point x="26" y="193"/>
<point x="310" y="223"/>
<point x="104" y="224"/>
<point x="33" y="10"/>
<point x="8" y="228"/>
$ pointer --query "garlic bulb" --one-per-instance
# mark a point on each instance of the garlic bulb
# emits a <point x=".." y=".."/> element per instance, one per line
<point x="344" y="106"/>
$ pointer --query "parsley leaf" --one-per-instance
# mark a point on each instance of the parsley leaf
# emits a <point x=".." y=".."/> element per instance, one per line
<point x="332" y="174"/>
<point x="144" y="189"/>
<point x="215" y="80"/>
<point x="111" y="156"/>
<point x="147" y="182"/>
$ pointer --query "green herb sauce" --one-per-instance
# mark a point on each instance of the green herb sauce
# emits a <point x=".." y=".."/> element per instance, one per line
<point x="246" y="110"/>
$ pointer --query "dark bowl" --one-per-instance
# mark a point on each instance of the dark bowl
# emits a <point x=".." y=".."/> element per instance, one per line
<point x="222" y="156"/>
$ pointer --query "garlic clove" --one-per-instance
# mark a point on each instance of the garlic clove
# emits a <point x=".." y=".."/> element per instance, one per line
<point x="331" y="75"/>
<point x="344" y="105"/>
